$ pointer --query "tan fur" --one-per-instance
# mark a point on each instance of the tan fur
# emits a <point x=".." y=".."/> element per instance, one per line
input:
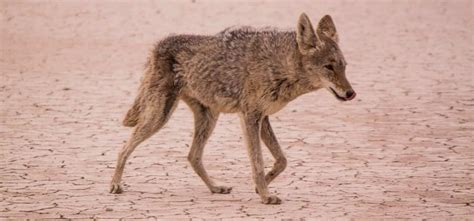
<point x="253" y="72"/>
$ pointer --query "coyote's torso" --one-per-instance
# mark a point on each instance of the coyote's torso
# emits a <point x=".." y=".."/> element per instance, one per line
<point x="237" y="69"/>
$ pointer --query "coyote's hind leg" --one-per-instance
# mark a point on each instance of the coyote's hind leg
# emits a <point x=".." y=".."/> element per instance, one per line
<point x="156" y="113"/>
<point x="204" y="122"/>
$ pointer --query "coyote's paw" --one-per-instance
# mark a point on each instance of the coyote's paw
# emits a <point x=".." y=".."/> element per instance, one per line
<point x="221" y="189"/>
<point x="271" y="200"/>
<point x="115" y="188"/>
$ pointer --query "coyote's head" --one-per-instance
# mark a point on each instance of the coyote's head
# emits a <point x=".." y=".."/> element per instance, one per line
<point x="321" y="58"/>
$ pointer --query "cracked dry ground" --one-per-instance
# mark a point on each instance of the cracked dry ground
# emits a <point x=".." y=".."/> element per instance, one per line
<point x="402" y="149"/>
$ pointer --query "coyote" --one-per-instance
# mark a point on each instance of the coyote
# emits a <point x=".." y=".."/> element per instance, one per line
<point x="253" y="72"/>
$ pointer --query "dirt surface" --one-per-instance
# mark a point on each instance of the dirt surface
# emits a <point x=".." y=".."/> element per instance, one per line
<point x="402" y="149"/>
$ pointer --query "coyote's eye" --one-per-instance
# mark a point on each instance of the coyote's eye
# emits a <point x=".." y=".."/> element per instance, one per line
<point x="329" y="67"/>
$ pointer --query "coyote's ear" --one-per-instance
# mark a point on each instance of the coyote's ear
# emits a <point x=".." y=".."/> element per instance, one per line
<point x="327" y="28"/>
<point x="305" y="35"/>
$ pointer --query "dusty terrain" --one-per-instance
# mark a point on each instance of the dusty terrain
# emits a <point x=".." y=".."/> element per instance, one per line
<point x="403" y="149"/>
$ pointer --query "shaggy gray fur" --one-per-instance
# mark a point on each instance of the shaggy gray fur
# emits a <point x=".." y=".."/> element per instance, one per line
<point x="253" y="72"/>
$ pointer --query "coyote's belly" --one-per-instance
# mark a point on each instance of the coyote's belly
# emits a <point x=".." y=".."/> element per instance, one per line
<point x="231" y="96"/>
<point x="217" y="102"/>
<point x="220" y="101"/>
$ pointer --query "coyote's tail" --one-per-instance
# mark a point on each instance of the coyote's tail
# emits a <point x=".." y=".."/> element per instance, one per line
<point x="157" y="80"/>
<point x="133" y="114"/>
<point x="131" y="118"/>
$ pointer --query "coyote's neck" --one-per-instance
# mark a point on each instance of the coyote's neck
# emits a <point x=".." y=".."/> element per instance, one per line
<point x="297" y="81"/>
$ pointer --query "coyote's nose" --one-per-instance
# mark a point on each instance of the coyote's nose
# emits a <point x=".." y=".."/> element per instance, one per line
<point x="350" y="94"/>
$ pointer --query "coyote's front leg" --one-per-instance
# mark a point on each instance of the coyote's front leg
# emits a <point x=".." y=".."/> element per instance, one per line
<point x="269" y="139"/>
<point x="251" y="125"/>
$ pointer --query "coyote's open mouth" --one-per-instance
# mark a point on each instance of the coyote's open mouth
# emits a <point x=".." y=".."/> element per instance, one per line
<point x="337" y="96"/>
